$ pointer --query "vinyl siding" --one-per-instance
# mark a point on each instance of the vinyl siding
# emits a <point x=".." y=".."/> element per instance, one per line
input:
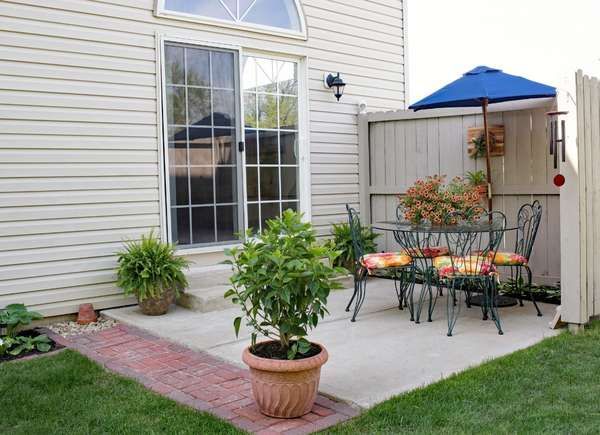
<point x="79" y="146"/>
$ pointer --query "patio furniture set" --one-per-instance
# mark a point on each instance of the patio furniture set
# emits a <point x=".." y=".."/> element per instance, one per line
<point x="463" y="258"/>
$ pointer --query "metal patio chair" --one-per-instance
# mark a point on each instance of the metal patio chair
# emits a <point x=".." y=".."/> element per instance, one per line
<point x="470" y="266"/>
<point x="528" y="223"/>
<point x="395" y="266"/>
<point x="423" y="246"/>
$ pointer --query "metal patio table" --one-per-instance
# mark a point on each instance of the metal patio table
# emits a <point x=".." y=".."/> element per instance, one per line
<point x="419" y="240"/>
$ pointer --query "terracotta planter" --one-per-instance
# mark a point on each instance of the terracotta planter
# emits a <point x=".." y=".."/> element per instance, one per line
<point x="159" y="305"/>
<point x="282" y="388"/>
<point x="482" y="189"/>
<point x="86" y="314"/>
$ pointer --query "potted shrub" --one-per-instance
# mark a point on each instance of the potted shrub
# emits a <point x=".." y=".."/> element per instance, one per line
<point x="150" y="270"/>
<point x="478" y="180"/>
<point x="342" y="242"/>
<point x="281" y="282"/>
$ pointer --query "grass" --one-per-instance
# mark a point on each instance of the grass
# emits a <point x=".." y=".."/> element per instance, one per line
<point x="69" y="394"/>
<point x="552" y="387"/>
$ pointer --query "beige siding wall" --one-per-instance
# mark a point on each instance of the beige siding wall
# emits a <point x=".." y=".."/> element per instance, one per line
<point x="79" y="138"/>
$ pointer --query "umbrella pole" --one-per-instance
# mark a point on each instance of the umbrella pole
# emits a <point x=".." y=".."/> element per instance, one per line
<point x="484" y="106"/>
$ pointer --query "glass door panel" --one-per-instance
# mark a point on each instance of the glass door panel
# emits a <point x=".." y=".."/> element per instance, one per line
<point x="270" y="101"/>
<point x="202" y="130"/>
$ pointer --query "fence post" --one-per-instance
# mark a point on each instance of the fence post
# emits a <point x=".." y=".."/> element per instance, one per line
<point x="364" y="167"/>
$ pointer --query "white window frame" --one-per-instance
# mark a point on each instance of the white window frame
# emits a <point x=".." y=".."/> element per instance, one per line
<point x="160" y="11"/>
<point x="304" y="172"/>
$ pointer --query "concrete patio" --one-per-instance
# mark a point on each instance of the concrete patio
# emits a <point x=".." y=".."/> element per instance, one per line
<point x="381" y="355"/>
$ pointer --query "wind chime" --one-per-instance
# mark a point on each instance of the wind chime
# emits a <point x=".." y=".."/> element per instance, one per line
<point x="557" y="136"/>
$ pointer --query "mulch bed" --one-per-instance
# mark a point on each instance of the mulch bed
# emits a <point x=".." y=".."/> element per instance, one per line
<point x="33" y="353"/>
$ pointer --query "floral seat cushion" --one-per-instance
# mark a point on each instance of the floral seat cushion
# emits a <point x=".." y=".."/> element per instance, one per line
<point x="466" y="266"/>
<point x="427" y="252"/>
<point x="382" y="260"/>
<point x="509" y="259"/>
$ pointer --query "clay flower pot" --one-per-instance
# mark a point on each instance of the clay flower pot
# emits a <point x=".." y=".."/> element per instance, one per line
<point x="284" y="388"/>
<point x="86" y="314"/>
<point x="482" y="189"/>
<point x="159" y="305"/>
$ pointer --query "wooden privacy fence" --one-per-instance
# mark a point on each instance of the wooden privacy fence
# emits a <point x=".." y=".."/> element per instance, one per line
<point x="397" y="148"/>
<point x="588" y="142"/>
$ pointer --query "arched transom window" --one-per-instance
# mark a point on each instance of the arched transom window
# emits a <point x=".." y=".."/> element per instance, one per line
<point x="266" y="15"/>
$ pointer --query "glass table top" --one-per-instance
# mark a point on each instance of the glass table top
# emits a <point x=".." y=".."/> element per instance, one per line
<point x="462" y="227"/>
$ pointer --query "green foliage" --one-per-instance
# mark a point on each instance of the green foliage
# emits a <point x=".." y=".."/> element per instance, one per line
<point x="476" y="178"/>
<point x="281" y="282"/>
<point x="480" y="150"/>
<point x="14" y="316"/>
<point x="541" y="293"/>
<point x="149" y="267"/>
<point x="342" y="242"/>
<point x="23" y="343"/>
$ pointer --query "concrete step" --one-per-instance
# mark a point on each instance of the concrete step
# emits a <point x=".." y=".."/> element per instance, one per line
<point x="207" y="299"/>
<point x="209" y="284"/>
<point x="206" y="289"/>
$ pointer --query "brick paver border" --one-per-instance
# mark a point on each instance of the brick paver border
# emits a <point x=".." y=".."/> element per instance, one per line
<point x="196" y="379"/>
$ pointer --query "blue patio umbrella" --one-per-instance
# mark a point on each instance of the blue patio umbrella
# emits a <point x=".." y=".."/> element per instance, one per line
<point x="482" y="86"/>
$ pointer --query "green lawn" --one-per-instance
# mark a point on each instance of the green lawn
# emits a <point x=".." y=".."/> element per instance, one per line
<point x="69" y="394"/>
<point x="553" y="387"/>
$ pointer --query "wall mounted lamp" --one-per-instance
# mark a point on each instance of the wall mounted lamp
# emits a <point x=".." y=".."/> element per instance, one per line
<point x="335" y="83"/>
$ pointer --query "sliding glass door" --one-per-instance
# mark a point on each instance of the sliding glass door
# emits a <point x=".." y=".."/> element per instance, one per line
<point x="207" y="196"/>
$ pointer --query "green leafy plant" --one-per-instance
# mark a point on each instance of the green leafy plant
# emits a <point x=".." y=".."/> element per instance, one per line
<point x="543" y="293"/>
<point x="150" y="267"/>
<point x="281" y="282"/>
<point x="479" y="148"/>
<point x="23" y="343"/>
<point x="5" y="344"/>
<point x="476" y="178"/>
<point x="342" y="242"/>
<point x="14" y="316"/>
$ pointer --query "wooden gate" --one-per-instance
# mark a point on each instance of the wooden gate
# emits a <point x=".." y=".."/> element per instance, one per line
<point x="397" y="148"/>
<point x="586" y="303"/>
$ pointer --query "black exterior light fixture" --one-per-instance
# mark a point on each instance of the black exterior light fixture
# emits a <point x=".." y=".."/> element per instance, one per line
<point x="336" y="83"/>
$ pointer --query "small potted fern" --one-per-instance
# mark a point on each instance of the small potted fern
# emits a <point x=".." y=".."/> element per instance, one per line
<point x="150" y="270"/>
<point x="342" y="241"/>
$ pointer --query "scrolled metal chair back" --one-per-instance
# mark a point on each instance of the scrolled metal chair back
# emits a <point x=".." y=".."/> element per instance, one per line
<point x="355" y="233"/>
<point x="400" y="213"/>
<point x="475" y="249"/>
<point x="529" y="218"/>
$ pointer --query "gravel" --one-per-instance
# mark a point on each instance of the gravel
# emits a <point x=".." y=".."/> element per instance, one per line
<point x="73" y="328"/>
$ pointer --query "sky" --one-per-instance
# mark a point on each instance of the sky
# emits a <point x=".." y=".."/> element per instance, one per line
<point x="543" y="40"/>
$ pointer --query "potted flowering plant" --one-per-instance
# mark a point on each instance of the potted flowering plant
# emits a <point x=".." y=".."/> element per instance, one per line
<point x="431" y="200"/>
<point x="281" y="284"/>
<point x="478" y="180"/>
